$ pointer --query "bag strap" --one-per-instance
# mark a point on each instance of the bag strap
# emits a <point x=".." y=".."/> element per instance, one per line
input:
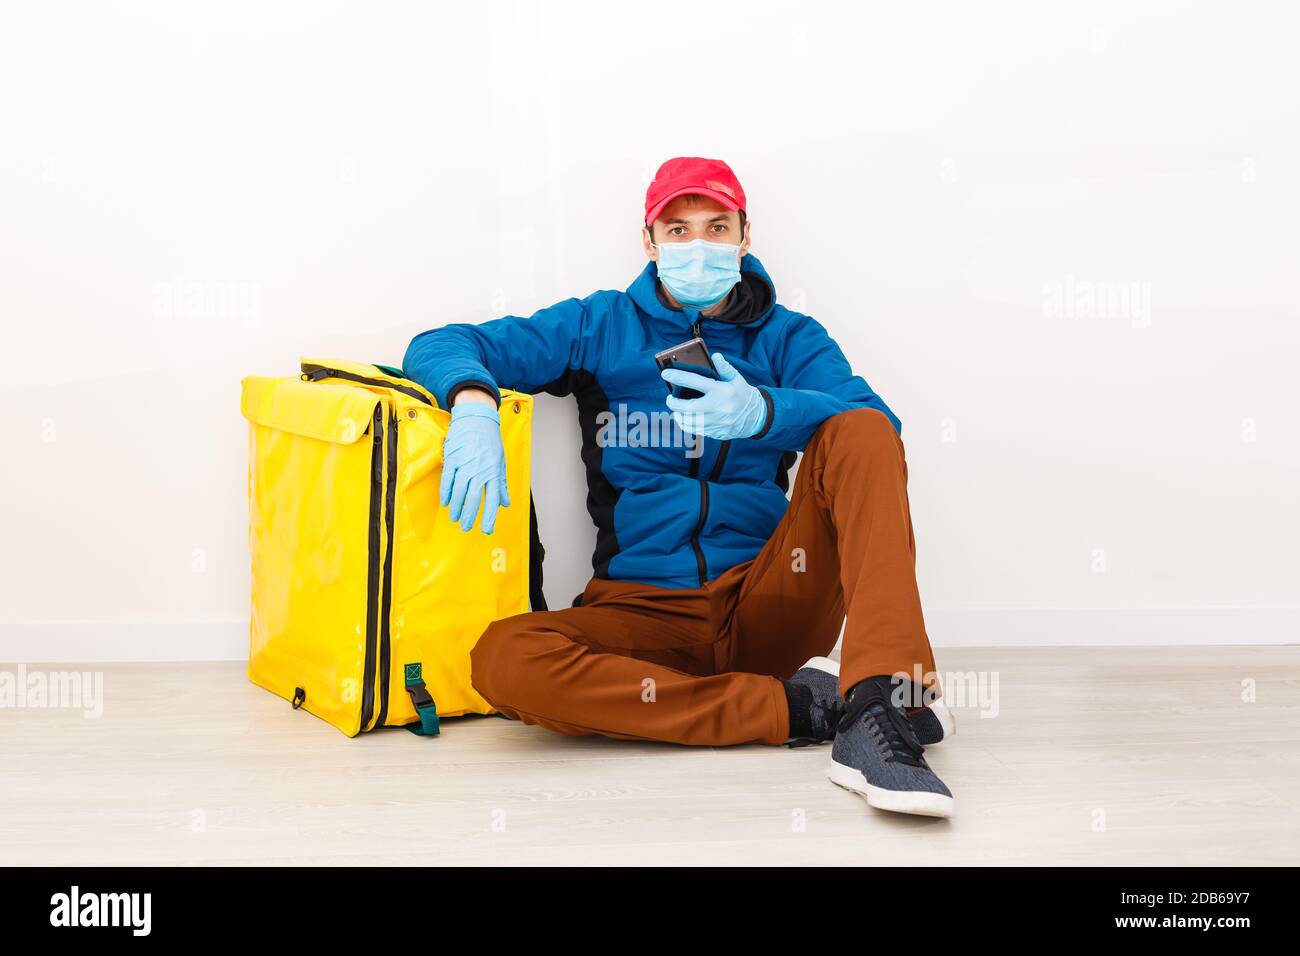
<point x="423" y="701"/>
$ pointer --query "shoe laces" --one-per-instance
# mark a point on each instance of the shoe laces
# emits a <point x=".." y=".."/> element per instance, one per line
<point x="888" y="726"/>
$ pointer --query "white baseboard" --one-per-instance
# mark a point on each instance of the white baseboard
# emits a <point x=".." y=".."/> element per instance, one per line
<point x="227" y="640"/>
<point x="1102" y="627"/>
<point x="121" y="641"/>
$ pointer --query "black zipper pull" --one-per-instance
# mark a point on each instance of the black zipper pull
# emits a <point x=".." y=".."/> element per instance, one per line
<point x="695" y="329"/>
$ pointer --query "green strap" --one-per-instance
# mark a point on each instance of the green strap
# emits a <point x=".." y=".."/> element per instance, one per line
<point x="424" y="705"/>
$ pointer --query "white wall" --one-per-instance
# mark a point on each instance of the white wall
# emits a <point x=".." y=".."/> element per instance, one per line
<point x="190" y="193"/>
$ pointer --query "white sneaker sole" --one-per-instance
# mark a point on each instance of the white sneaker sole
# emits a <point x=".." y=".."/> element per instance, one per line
<point x="823" y="664"/>
<point x="920" y="802"/>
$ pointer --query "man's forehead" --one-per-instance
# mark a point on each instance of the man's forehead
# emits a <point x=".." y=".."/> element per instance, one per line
<point x="694" y="208"/>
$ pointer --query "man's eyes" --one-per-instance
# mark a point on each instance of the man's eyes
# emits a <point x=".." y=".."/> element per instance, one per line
<point x="718" y="227"/>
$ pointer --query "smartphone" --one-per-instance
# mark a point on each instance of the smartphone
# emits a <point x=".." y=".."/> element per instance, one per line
<point x="689" y="356"/>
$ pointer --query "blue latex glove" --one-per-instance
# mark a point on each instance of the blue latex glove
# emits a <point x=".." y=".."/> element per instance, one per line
<point x="474" y="461"/>
<point x="729" y="408"/>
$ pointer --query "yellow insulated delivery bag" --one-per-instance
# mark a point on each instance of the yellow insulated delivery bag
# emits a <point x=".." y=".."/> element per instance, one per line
<point x="366" y="597"/>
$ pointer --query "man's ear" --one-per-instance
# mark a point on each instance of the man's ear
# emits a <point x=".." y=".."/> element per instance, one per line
<point x="744" y="240"/>
<point x="651" y="252"/>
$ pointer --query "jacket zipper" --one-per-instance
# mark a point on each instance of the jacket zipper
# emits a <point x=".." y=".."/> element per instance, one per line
<point x="700" y="564"/>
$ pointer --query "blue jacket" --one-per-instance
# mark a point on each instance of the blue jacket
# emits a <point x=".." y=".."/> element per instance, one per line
<point x="671" y="509"/>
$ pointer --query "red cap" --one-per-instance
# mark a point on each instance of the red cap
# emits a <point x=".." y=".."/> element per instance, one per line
<point x="690" y="174"/>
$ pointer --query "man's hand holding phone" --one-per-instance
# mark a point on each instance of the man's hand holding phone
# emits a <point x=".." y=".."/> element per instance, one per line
<point x="728" y="407"/>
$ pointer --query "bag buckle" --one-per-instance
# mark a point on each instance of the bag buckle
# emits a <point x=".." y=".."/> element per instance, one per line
<point x="420" y="695"/>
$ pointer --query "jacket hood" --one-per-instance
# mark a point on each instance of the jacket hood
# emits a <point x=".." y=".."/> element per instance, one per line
<point x="753" y="299"/>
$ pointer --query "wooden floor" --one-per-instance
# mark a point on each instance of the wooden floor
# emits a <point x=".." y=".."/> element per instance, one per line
<point x="1097" y="756"/>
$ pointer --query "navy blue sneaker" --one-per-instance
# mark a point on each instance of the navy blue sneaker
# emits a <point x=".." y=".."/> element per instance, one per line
<point x="823" y="705"/>
<point x="877" y="755"/>
<point x="813" y="696"/>
<point x="933" y="723"/>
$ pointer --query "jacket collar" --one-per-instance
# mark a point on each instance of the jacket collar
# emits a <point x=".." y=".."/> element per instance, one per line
<point x="750" y="306"/>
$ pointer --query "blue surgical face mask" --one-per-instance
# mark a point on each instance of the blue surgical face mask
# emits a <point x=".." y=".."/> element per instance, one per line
<point x="699" y="273"/>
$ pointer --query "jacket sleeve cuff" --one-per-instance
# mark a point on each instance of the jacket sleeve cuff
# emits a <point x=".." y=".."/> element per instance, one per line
<point x="488" y="387"/>
<point x="767" y="421"/>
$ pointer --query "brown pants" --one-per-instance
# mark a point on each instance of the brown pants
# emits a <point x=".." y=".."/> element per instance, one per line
<point x="700" y="665"/>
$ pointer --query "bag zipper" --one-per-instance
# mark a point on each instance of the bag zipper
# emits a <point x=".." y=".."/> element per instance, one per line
<point x="383" y="500"/>
<point x="314" y="373"/>
<point x="373" y="571"/>
<point x="385" y="623"/>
